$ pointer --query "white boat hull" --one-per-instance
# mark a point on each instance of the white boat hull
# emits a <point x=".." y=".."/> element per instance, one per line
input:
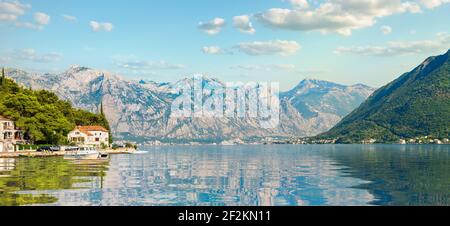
<point x="85" y="153"/>
<point x="75" y="156"/>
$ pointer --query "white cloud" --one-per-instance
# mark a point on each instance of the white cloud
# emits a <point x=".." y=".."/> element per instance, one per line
<point x="335" y="16"/>
<point x="34" y="56"/>
<point x="433" y="3"/>
<point x="280" y="47"/>
<point x="243" y="24"/>
<point x="300" y="4"/>
<point x="27" y="25"/>
<point x="41" y="21"/>
<point x="13" y="7"/>
<point x="10" y="10"/>
<point x="101" y="26"/>
<point x="7" y="17"/>
<point x="69" y="18"/>
<point x="215" y="50"/>
<point x="212" y="50"/>
<point x="135" y="64"/>
<point x="386" y="30"/>
<point x="212" y="27"/>
<point x="41" y="18"/>
<point x="397" y="48"/>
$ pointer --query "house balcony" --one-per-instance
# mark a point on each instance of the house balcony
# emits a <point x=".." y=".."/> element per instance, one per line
<point x="13" y="137"/>
<point x="9" y="128"/>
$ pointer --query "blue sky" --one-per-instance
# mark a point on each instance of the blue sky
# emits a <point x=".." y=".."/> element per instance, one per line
<point x="349" y="42"/>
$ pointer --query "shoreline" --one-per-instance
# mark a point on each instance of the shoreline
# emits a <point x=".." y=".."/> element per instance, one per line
<point x="34" y="154"/>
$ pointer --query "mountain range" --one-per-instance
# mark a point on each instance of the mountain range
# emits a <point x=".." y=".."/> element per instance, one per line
<point x="141" y="110"/>
<point x="415" y="105"/>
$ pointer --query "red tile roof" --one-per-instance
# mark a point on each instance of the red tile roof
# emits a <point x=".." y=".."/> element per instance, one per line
<point x="88" y="129"/>
<point x="3" y="118"/>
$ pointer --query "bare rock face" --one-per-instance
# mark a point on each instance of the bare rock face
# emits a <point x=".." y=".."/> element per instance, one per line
<point x="141" y="110"/>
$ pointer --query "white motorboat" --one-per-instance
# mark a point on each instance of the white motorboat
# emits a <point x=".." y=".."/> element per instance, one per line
<point x="84" y="153"/>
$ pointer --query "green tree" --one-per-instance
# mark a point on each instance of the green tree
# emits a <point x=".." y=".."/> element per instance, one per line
<point x="45" y="118"/>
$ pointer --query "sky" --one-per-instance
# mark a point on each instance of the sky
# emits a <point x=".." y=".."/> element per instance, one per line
<point x="344" y="41"/>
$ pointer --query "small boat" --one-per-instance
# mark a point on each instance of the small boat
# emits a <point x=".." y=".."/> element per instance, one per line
<point x="85" y="153"/>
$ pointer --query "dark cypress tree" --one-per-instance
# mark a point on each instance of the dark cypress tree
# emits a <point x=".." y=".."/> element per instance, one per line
<point x="3" y="79"/>
<point x="106" y="123"/>
<point x="101" y="108"/>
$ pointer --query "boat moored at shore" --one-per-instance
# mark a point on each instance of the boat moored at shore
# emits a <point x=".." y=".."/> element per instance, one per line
<point x="85" y="153"/>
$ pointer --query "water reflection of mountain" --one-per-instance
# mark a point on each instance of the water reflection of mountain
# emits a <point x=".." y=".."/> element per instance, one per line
<point x="24" y="181"/>
<point x="401" y="175"/>
<point x="238" y="175"/>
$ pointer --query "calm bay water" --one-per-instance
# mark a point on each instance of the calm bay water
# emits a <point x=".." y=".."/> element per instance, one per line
<point x="237" y="175"/>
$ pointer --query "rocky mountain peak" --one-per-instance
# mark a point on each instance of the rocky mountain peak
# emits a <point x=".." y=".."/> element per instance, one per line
<point x="85" y="75"/>
<point x="76" y="69"/>
<point x="141" y="109"/>
<point x="309" y="84"/>
<point x="434" y="62"/>
<point x="360" y="85"/>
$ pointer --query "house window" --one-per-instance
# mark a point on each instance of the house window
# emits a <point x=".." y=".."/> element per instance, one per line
<point x="97" y="139"/>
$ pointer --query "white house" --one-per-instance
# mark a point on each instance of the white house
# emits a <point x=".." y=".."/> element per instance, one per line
<point x="89" y="135"/>
<point x="10" y="135"/>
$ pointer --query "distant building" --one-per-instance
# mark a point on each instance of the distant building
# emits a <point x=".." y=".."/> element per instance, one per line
<point x="10" y="135"/>
<point x="89" y="135"/>
<point x="369" y="141"/>
<point x="437" y="141"/>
